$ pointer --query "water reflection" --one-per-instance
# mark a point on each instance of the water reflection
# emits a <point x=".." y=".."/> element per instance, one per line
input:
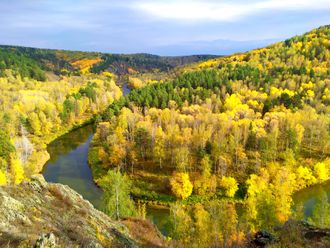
<point x="313" y="205"/>
<point x="69" y="163"/>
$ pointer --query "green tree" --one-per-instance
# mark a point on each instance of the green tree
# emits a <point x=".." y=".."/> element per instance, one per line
<point x="6" y="147"/>
<point x="117" y="201"/>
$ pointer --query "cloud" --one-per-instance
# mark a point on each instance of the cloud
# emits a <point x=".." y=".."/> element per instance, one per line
<point x="159" y="26"/>
<point x="225" y="11"/>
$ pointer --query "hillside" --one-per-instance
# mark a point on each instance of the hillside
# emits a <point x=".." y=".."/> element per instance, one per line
<point x="249" y="129"/>
<point x="38" y="214"/>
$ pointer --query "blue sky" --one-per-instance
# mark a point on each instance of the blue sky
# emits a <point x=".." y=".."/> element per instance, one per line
<point x="164" y="27"/>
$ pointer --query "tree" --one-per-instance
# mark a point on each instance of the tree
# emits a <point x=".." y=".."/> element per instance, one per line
<point x="159" y="147"/>
<point x="35" y="123"/>
<point x="229" y="185"/>
<point x="6" y="147"/>
<point x="207" y="183"/>
<point x="282" y="186"/>
<point x="26" y="146"/>
<point x="117" y="143"/>
<point x="205" y="166"/>
<point x="181" y="156"/>
<point x="181" y="185"/>
<point x="143" y="141"/>
<point x="16" y="170"/>
<point x="305" y="177"/>
<point x="224" y="222"/>
<point x="117" y="201"/>
<point x="3" y="179"/>
<point x="257" y="186"/>
<point x="321" y="171"/>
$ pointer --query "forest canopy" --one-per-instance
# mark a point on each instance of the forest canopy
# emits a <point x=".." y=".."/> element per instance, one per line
<point x="251" y="128"/>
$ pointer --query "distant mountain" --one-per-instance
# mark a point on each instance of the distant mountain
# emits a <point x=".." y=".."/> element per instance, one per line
<point x="34" y="62"/>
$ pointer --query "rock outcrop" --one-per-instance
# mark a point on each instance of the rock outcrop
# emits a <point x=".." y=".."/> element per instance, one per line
<point x="293" y="234"/>
<point x="41" y="214"/>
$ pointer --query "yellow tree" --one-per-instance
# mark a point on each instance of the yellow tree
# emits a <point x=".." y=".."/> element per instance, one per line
<point x="229" y="185"/>
<point x="35" y="123"/>
<point x="16" y="170"/>
<point x="181" y="185"/>
<point x="117" y="144"/>
<point x="282" y="186"/>
<point x="321" y="171"/>
<point x="3" y="179"/>
<point x="207" y="183"/>
<point x="257" y="186"/>
<point x="305" y="177"/>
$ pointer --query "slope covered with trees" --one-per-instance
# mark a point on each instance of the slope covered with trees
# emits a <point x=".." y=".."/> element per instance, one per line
<point x="45" y="93"/>
<point x="33" y="113"/>
<point x="245" y="130"/>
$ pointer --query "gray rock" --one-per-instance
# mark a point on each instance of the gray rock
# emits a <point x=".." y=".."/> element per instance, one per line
<point x="46" y="241"/>
<point x="38" y="182"/>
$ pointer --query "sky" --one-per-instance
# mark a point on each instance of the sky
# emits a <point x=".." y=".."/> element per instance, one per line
<point x="163" y="27"/>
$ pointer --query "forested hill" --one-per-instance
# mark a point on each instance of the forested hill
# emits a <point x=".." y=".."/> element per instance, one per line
<point x="290" y="72"/>
<point x="250" y="128"/>
<point x="34" y="62"/>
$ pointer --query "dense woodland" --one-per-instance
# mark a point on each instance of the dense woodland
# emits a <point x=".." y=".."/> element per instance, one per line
<point x="229" y="138"/>
<point x="245" y="130"/>
<point x="45" y="93"/>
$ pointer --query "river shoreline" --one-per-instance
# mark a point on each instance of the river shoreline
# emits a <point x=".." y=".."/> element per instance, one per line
<point x="43" y="155"/>
<point x="40" y="164"/>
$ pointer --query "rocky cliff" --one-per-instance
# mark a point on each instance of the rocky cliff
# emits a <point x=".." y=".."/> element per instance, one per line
<point x="41" y="214"/>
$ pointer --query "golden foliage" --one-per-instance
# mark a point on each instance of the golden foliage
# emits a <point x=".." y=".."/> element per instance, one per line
<point x="3" y="179"/>
<point x="230" y="185"/>
<point x="85" y="64"/>
<point x="16" y="170"/>
<point x="181" y="185"/>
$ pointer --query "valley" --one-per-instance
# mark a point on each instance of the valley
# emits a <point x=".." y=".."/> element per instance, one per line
<point x="212" y="150"/>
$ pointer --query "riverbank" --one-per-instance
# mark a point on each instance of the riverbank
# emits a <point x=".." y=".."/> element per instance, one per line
<point x="40" y="156"/>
